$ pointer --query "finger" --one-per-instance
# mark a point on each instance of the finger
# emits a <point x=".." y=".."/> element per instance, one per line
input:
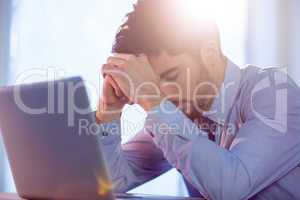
<point x="124" y="56"/>
<point x="119" y="62"/>
<point x="109" y="95"/>
<point x="120" y="77"/>
<point x="108" y="69"/>
<point x="124" y="99"/>
<point x="115" y="86"/>
<point x="115" y="73"/>
<point x="108" y="92"/>
<point x="102" y="70"/>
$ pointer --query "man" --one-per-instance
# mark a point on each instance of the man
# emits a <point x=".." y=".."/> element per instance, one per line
<point x="233" y="133"/>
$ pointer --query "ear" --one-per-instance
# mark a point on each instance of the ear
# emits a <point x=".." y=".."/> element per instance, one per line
<point x="210" y="53"/>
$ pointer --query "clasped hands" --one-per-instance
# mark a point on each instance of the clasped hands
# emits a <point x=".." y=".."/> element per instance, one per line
<point x="128" y="79"/>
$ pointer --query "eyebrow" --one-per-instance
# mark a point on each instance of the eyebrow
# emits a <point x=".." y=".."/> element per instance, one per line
<point x="165" y="73"/>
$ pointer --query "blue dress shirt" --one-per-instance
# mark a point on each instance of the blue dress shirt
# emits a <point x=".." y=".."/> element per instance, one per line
<point x="256" y="153"/>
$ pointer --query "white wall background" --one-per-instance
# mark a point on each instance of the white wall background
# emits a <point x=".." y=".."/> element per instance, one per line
<point x="274" y="34"/>
<point x="267" y="33"/>
<point x="4" y="62"/>
<point x="294" y="39"/>
<point x="72" y="38"/>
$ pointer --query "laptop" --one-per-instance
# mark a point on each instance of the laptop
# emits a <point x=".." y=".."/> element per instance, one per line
<point x="49" y="154"/>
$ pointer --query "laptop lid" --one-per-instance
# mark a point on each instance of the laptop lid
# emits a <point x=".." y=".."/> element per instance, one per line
<point x="50" y="156"/>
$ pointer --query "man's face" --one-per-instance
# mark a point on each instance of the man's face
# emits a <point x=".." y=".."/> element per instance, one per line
<point x="184" y="80"/>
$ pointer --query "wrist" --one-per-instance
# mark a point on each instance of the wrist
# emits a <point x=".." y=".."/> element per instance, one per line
<point x="106" y="114"/>
<point x="151" y="103"/>
<point x="106" y="118"/>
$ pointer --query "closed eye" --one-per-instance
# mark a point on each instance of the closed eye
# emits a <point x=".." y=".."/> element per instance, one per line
<point x="170" y="74"/>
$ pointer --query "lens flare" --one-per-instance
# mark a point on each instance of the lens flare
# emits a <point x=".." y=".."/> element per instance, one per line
<point x="200" y="9"/>
<point x="104" y="186"/>
<point x="208" y="9"/>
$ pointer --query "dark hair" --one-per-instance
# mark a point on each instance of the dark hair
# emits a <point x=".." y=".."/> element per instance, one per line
<point x="156" y="25"/>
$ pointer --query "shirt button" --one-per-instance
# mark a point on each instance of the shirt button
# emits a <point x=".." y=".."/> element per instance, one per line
<point x="105" y="134"/>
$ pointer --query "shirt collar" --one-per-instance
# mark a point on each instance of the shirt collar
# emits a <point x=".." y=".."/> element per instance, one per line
<point x="224" y="101"/>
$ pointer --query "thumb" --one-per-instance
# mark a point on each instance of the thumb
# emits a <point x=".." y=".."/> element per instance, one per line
<point x="115" y="86"/>
<point x="108" y="91"/>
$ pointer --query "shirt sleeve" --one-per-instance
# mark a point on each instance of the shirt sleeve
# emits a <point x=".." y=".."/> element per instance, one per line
<point x="259" y="155"/>
<point x="133" y="163"/>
